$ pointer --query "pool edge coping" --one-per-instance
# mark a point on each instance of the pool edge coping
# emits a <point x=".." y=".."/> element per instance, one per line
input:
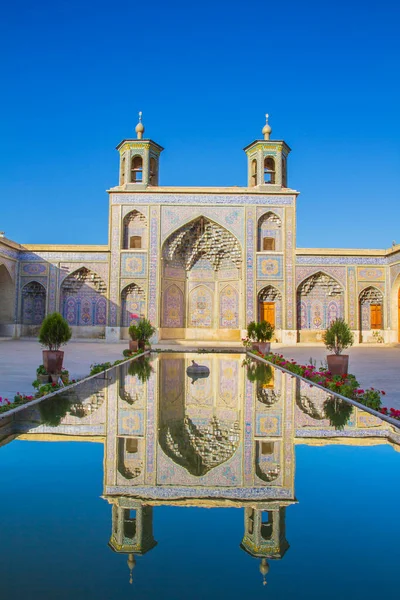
<point x="13" y="411"/>
<point x="367" y="409"/>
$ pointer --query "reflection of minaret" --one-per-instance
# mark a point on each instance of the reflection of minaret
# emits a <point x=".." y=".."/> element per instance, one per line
<point x="264" y="535"/>
<point x="132" y="530"/>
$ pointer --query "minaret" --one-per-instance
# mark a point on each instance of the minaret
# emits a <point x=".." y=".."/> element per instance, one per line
<point x="139" y="161"/>
<point x="267" y="161"/>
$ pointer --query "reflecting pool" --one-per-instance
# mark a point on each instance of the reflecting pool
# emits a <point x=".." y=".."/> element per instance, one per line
<point x="107" y="490"/>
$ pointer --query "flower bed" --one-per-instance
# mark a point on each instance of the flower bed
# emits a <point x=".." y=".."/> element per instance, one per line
<point x="49" y="388"/>
<point x="346" y="385"/>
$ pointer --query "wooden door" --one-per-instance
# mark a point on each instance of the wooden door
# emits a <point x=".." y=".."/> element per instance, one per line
<point x="376" y="316"/>
<point x="267" y="312"/>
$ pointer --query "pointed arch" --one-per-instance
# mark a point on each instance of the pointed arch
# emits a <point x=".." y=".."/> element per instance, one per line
<point x="33" y="303"/>
<point x="269" y="232"/>
<point x="173" y="307"/>
<point x="7" y="300"/>
<point x="270" y="306"/>
<point x="82" y="298"/>
<point x="133" y="304"/>
<point x="134" y="230"/>
<point x="228" y="307"/>
<point x="370" y="301"/>
<point x="320" y="299"/>
<point x="201" y="305"/>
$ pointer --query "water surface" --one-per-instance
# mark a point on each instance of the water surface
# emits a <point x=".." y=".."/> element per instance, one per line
<point x="148" y="484"/>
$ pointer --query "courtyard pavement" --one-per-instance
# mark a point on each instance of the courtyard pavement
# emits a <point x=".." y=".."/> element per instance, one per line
<point x="374" y="366"/>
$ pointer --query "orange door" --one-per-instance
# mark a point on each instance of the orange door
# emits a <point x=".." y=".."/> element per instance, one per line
<point x="376" y="316"/>
<point x="267" y="312"/>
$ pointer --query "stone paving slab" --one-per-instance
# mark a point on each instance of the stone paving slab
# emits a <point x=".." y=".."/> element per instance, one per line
<point x="376" y="366"/>
<point x="19" y="360"/>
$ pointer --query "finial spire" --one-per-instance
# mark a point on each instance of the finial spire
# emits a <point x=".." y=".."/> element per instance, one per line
<point x="266" y="131"/>
<point x="140" y="127"/>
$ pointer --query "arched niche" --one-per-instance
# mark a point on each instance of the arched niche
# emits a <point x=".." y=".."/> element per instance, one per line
<point x="83" y="299"/>
<point x="134" y="231"/>
<point x="370" y="313"/>
<point x="269" y="233"/>
<point x="201" y="278"/>
<point x="320" y="301"/>
<point x="133" y="304"/>
<point x="33" y="307"/>
<point x="7" y="302"/>
<point x="130" y="457"/>
<point x="270" y="306"/>
<point x="267" y="460"/>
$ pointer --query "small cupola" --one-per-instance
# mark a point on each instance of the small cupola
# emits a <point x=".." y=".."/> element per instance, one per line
<point x="139" y="160"/>
<point x="267" y="161"/>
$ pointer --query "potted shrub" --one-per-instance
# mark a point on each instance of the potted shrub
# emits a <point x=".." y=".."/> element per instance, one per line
<point x="144" y="331"/>
<point x="337" y="338"/>
<point x="54" y="332"/>
<point x="134" y="335"/>
<point x="260" y="335"/>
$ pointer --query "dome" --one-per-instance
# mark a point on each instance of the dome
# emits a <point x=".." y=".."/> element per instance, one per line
<point x="266" y="130"/>
<point x="264" y="569"/>
<point x="140" y="127"/>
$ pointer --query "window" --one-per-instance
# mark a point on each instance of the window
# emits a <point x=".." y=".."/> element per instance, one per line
<point x="153" y="171"/>
<point x="253" y="172"/>
<point x="269" y="170"/>
<point x="268" y="243"/>
<point x="135" y="241"/>
<point x="267" y="448"/>
<point x="137" y="169"/>
<point x="132" y="445"/>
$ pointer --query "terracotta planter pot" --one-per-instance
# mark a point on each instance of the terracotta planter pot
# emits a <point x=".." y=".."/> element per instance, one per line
<point x="338" y="364"/>
<point x="142" y="345"/>
<point x="255" y="346"/>
<point x="43" y="379"/>
<point x="133" y="345"/>
<point x="53" y="360"/>
<point x="264" y="347"/>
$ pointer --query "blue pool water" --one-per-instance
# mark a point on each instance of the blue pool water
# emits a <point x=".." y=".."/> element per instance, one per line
<point x="167" y="489"/>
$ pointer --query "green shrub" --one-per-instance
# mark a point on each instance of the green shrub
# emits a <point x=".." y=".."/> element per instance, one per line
<point x="99" y="368"/>
<point x="144" y="330"/>
<point x="133" y="333"/>
<point x="41" y="370"/>
<point x="338" y="412"/>
<point x="260" y="332"/>
<point x="338" y="336"/>
<point x="54" y="332"/>
<point x="259" y="371"/>
<point x="53" y="410"/>
<point x="141" y="368"/>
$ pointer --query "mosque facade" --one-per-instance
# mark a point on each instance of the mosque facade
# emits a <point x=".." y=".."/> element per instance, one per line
<point x="201" y="263"/>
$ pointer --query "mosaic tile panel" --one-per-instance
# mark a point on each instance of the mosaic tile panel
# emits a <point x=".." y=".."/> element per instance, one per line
<point x="338" y="273"/>
<point x="134" y="265"/>
<point x="130" y="422"/>
<point x="250" y="228"/>
<point x="364" y="274"/>
<point x="203" y="199"/>
<point x="289" y="274"/>
<point x="153" y="266"/>
<point x="34" y="268"/>
<point x="351" y="290"/>
<point x="174" y="217"/>
<point x="269" y="267"/>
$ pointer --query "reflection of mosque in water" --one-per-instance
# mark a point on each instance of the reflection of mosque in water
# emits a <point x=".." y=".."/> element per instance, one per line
<point x="220" y="441"/>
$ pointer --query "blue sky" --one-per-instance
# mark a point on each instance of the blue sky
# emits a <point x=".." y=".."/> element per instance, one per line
<point x="74" y="74"/>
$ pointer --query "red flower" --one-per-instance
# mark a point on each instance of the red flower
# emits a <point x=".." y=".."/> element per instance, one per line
<point x="383" y="393"/>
